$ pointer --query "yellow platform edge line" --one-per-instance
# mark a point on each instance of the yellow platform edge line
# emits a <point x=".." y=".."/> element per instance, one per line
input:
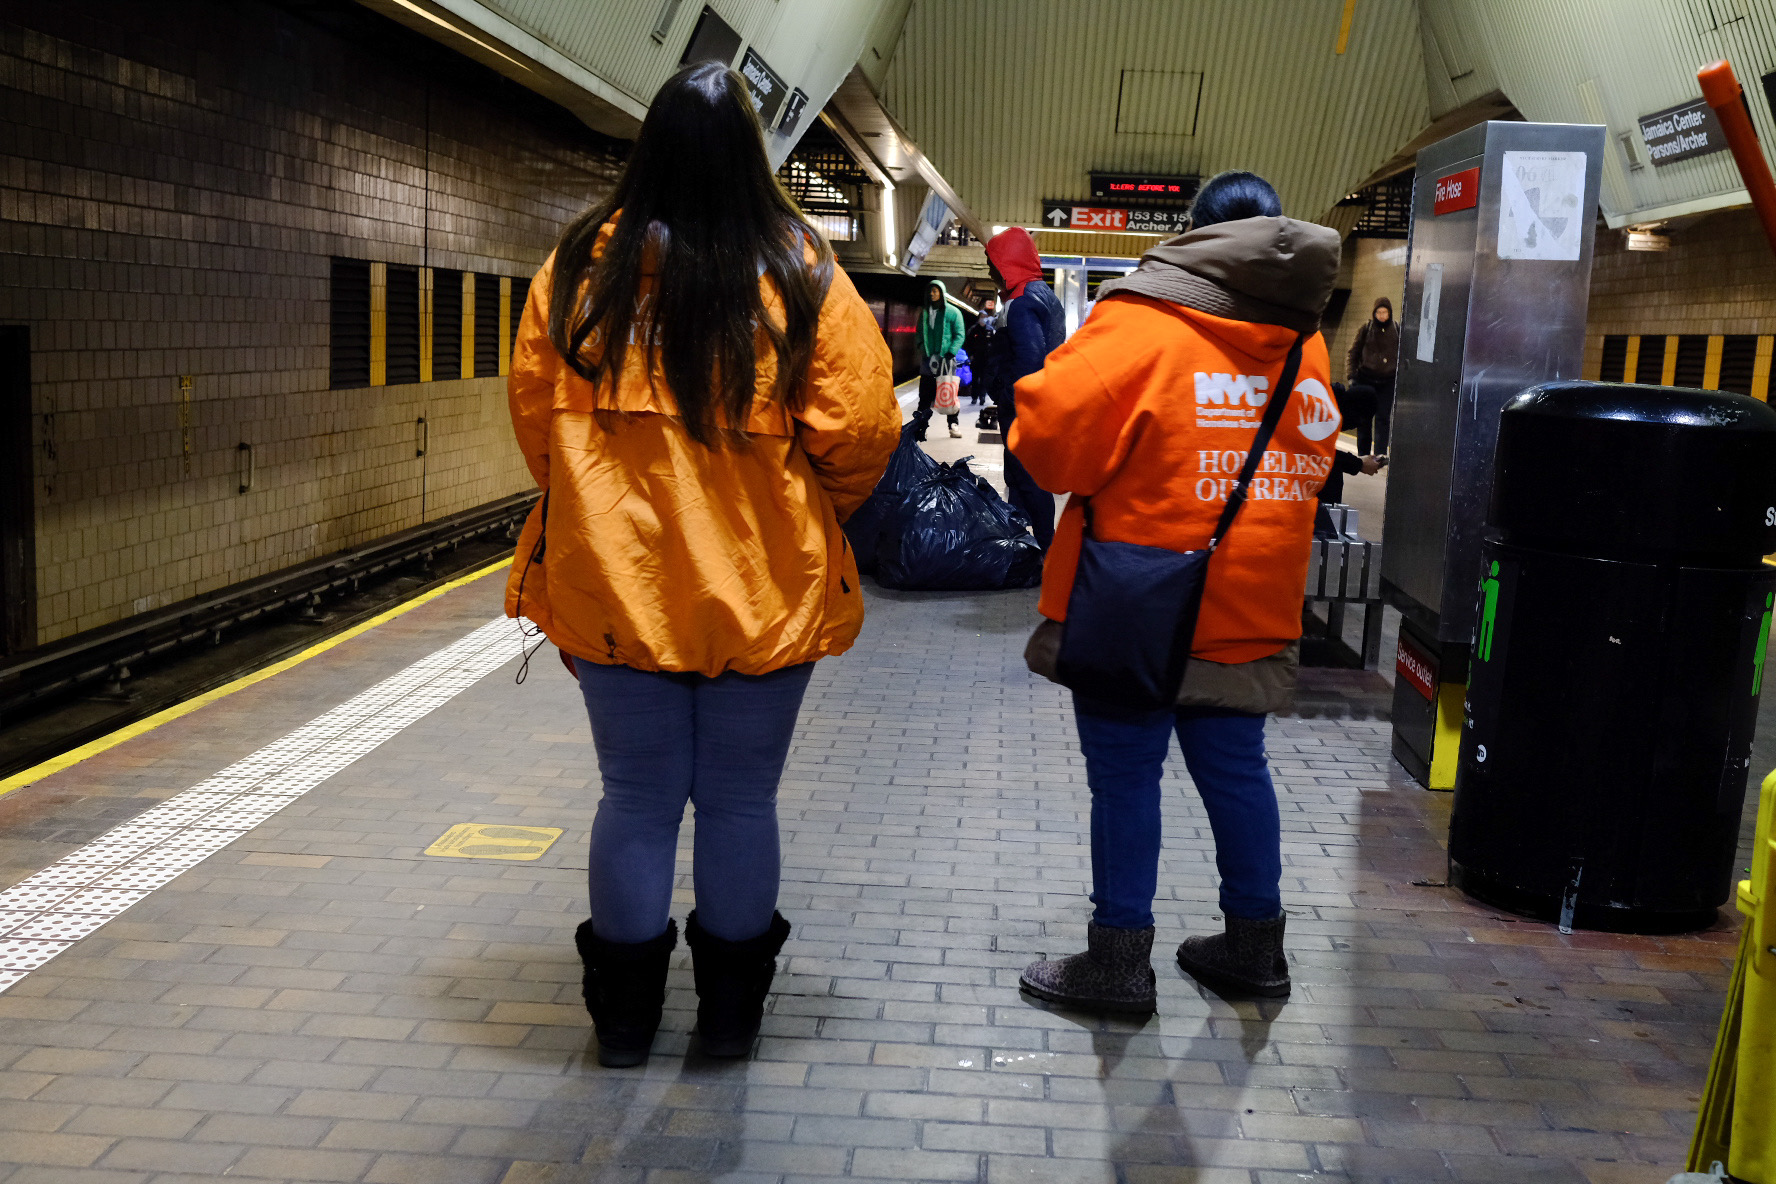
<point x="91" y="748"/>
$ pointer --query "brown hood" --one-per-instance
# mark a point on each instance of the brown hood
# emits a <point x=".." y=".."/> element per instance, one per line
<point x="1272" y="271"/>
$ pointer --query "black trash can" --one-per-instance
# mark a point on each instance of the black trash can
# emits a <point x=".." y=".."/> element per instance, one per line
<point x="1619" y="657"/>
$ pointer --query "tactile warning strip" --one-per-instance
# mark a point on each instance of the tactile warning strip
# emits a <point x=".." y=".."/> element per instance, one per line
<point x="46" y="913"/>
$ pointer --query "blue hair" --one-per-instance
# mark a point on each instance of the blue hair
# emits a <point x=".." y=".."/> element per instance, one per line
<point x="1228" y="197"/>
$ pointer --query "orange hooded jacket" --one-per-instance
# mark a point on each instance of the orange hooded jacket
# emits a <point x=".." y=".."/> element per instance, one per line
<point x="662" y="554"/>
<point x="1150" y="409"/>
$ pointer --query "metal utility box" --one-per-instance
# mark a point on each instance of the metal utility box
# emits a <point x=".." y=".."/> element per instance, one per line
<point x="1498" y="276"/>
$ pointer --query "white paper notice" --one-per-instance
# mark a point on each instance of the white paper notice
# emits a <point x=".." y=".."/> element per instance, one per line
<point x="1539" y="205"/>
<point x="1427" y="317"/>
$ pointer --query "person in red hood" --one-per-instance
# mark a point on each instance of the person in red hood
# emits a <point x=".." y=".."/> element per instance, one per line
<point x="1034" y="324"/>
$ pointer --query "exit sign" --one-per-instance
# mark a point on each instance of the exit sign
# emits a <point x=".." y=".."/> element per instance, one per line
<point x="1144" y="187"/>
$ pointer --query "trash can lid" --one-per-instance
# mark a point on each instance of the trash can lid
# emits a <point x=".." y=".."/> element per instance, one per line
<point x="1653" y="474"/>
<point x="1668" y="406"/>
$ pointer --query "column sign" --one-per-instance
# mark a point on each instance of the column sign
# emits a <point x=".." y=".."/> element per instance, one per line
<point x="1678" y="133"/>
<point x="1457" y="191"/>
<point x="765" y="85"/>
<point x="1065" y="215"/>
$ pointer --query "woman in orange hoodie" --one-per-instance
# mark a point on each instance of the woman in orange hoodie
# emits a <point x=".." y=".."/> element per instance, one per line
<point x="1148" y="413"/>
<point x="703" y="397"/>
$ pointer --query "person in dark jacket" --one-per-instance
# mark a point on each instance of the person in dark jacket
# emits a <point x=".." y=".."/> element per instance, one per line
<point x="1369" y="367"/>
<point x="978" y="343"/>
<point x="1033" y="325"/>
<point x="939" y="336"/>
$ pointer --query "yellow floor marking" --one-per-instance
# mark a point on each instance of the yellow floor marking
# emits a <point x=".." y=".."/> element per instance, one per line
<point x="74" y="756"/>
<point x="491" y="840"/>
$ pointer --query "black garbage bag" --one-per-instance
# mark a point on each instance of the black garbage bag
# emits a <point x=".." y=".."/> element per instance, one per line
<point x="909" y="465"/>
<point x="957" y="534"/>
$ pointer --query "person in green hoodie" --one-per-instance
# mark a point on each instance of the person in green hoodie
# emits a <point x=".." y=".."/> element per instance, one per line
<point x="939" y="337"/>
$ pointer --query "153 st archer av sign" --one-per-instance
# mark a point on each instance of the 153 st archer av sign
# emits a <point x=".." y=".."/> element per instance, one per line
<point x="1066" y="215"/>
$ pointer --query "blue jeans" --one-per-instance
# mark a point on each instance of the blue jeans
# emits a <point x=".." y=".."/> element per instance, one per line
<point x="1125" y="755"/>
<point x="663" y="740"/>
<point x="1021" y="490"/>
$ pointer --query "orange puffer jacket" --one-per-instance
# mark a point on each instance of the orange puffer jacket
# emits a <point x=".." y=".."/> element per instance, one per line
<point x="1150" y="410"/>
<point x="662" y="554"/>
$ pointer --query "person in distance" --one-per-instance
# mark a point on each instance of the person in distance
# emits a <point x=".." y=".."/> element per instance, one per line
<point x="1149" y="411"/>
<point x="703" y="397"/>
<point x="1369" y="368"/>
<point x="939" y="336"/>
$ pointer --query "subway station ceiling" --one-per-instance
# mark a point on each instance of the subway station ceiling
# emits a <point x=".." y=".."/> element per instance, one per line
<point x="1001" y="105"/>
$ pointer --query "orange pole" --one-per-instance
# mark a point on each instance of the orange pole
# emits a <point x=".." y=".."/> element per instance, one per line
<point x="1722" y="91"/>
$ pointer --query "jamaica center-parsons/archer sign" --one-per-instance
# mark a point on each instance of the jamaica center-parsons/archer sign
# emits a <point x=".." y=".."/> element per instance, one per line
<point x="1678" y="133"/>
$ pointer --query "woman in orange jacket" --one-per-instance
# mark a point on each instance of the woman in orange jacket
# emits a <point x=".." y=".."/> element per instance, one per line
<point x="1148" y="413"/>
<point x="703" y="397"/>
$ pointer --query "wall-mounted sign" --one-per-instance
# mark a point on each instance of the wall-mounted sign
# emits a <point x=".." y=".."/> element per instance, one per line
<point x="1145" y="186"/>
<point x="792" y="112"/>
<point x="1457" y="191"/>
<point x="934" y="218"/>
<point x="1065" y="215"/>
<point x="764" y="84"/>
<point x="1678" y="133"/>
<point x="713" y="40"/>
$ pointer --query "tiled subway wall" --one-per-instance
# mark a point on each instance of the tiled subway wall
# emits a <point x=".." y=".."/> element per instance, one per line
<point x="1715" y="282"/>
<point x="175" y="180"/>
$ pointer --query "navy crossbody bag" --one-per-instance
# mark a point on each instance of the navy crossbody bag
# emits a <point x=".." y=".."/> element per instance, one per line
<point x="1131" y="618"/>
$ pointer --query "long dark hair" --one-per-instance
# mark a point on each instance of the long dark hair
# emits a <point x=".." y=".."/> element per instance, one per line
<point x="1231" y="196"/>
<point x="701" y="209"/>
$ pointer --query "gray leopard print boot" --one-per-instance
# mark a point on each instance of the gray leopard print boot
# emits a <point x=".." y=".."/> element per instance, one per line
<point x="1247" y="959"/>
<point x="1114" y="974"/>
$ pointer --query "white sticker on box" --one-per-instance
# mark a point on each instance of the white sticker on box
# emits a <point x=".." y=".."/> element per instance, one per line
<point x="1429" y="303"/>
<point x="1540" y="200"/>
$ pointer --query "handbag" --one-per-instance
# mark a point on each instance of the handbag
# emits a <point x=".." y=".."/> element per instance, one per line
<point x="1131" y="617"/>
<point x="949" y="390"/>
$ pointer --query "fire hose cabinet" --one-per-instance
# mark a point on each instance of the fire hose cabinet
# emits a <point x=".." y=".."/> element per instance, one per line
<point x="1618" y="656"/>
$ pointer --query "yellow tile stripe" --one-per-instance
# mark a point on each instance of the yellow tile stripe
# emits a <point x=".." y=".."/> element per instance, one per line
<point x="1712" y="367"/>
<point x="111" y="740"/>
<point x="1760" y="370"/>
<point x="1668" y="371"/>
<point x="379" y="337"/>
<point x="1631" y="363"/>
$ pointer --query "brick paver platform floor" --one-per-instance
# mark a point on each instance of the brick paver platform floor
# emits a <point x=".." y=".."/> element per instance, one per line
<point x="320" y="1001"/>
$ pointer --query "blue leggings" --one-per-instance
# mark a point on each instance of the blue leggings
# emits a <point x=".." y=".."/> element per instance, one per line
<point x="1125" y="755"/>
<point x="663" y="740"/>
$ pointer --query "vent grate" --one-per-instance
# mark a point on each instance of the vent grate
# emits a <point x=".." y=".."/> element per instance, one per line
<point x="487" y="302"/>
<point x="447" y="326"/>
<point x="403" y="325"/>
<point x="348" y="360"/>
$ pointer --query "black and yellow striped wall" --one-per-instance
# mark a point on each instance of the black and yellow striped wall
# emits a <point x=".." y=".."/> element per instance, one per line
<point x="1732" y="362"/>
<point x="392" y="324"/>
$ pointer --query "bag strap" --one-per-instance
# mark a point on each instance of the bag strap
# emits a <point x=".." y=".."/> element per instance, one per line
<point x="1273" y="414"/>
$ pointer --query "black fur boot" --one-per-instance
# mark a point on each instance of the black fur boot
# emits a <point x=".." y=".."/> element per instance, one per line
<point x="625" y="990"/>
<point x="1247" y="959"/>
<point x="1114" y="974"/>
<point x="733" y="978"/>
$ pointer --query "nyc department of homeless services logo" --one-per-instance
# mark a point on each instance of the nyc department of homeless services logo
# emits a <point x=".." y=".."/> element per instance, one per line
<point x="1237" y="401"/>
